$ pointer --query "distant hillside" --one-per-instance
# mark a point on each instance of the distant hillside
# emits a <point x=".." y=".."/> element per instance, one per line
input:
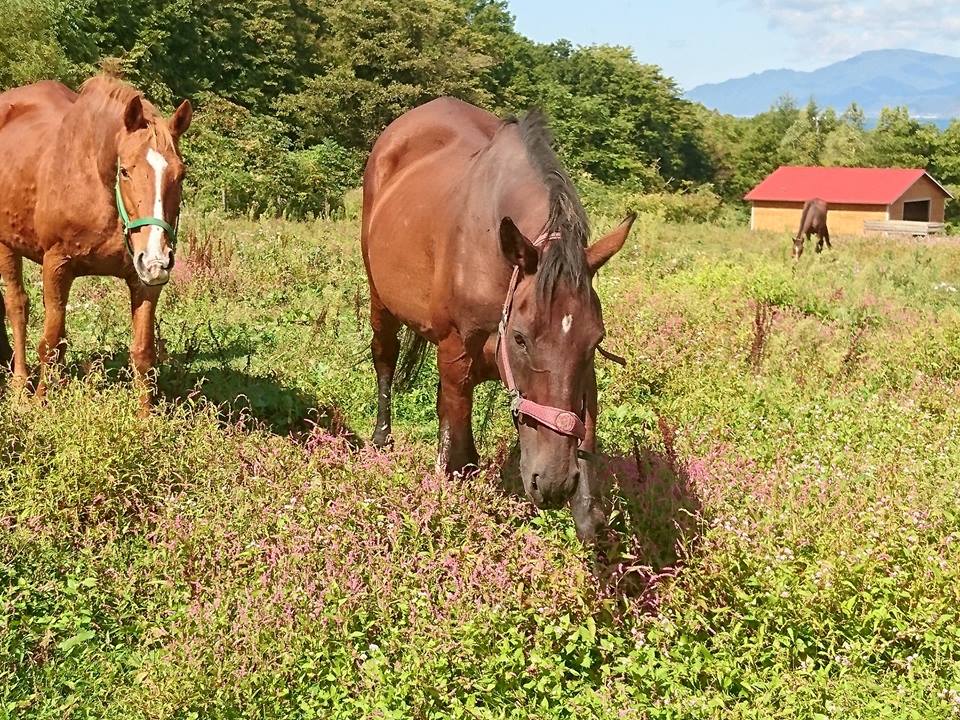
<point x="926" y="83"/>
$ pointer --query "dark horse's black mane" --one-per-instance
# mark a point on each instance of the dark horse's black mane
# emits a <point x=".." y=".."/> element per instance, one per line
<point x="564" y="258"/>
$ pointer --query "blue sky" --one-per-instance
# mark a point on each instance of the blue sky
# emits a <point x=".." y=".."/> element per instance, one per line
<point x="698" y="41"/>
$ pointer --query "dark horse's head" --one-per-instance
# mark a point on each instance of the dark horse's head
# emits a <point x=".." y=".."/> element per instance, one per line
<point x="551" y="337"/>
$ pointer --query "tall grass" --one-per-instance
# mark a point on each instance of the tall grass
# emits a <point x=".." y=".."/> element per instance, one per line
<point x="785" y="511"/>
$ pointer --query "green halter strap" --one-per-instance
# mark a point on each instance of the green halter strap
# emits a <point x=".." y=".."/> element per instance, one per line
<point x="131" y="225"/>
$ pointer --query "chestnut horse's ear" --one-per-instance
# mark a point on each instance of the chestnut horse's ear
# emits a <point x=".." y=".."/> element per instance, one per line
<point x="516" y="248"/>
<point x="133" y="116"/>
<point x="609" y="245"/>
<point x="180" y="120"/>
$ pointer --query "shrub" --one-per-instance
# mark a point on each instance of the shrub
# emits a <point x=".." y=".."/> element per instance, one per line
<point x="245" y="164"/>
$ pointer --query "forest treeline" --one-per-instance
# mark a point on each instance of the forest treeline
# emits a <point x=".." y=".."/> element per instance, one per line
<point x="292" y="93"/>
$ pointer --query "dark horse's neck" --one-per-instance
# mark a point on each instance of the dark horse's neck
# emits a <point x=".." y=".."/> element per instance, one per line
<point x="530" y="187"/>
<point x="518" y="188"/>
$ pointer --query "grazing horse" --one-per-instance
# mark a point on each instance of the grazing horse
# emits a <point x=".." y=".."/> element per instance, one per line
<point x="474" y="238"/>
<point x="89" y="185"/>
<point x="812" y="220"/>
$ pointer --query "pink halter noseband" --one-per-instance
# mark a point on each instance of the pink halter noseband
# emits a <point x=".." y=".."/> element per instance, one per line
<point x="564" y="422"/>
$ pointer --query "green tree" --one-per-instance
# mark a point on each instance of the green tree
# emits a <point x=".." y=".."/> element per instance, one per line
<point x="854" y="117"/>
<point x="617" y="119"/>
<point x="379" y="58"/>
<point x="900" y="141"/>
<point x="760" y="154"/>
<point x="724" y="138"/>
<point x="38" y="39"/>
<point x="845" y="142"/>
<point x="844" y="147"/>
<point x="946" y="161"/>
<point x="249" y="52"/>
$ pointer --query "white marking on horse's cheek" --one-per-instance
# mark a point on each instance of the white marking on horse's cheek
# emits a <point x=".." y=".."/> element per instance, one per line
<point x="566" y="323"/>
<point x="155" y="242"/>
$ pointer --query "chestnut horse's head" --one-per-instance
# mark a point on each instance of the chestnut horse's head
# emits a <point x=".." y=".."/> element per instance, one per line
<point x="554" y="327"/>
<point x="149" y="182"/>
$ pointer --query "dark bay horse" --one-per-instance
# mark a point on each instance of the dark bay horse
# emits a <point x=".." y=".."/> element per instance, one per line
<point x="89" y="185"/>
<point x="812" y="220"/>
<point x="461" y="212"/>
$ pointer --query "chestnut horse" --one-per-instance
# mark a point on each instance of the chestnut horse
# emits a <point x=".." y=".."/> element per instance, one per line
<point x="474" y="238"/>
<point x="89" y="185"/>
<point x="813" y="219"/>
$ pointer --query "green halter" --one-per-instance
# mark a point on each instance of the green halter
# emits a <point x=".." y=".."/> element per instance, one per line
<point x="131" y="225"/>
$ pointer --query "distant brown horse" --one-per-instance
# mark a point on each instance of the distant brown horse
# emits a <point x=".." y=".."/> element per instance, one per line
<point x="470" y="225"/>
<point x="89" y="185"/>
<point x="812" y="220"/>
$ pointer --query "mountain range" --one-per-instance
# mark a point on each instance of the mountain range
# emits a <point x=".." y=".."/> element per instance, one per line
<point x="928" y="84"/>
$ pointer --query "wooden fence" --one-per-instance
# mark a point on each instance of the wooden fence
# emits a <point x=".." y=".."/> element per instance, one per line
<point x="903" y="227"/>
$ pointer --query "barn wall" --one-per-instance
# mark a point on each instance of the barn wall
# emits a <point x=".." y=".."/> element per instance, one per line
<point x="841" y="219"/>
<point x="922" y="189"/>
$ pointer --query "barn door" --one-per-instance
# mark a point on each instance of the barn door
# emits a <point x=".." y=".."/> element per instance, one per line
<point x="917" y="210"/>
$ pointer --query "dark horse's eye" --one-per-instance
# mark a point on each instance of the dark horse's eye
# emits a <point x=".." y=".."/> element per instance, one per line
<point x="520" y="340"/>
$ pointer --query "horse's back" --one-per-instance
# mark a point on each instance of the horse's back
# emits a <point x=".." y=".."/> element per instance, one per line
<point x="814" y="216"/>
<point x="30" y="118"/>
<point x="818" y="214"/>
<point x="43" y="102"/>
<point x="442" y="127"/>
<point x="414" y="171"/>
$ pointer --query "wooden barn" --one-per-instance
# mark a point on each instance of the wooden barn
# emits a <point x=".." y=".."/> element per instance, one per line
<point x="861" y="200"/>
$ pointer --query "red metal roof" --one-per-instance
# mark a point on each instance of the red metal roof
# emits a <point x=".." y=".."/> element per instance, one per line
<point x="854" y="186"/>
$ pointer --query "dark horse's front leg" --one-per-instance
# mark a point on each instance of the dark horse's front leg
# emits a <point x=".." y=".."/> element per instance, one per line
<point x="823" y="237"/>
<point x="457" y="451"/>
<point x="385" y="348"/>
<point x="585" y="504"/>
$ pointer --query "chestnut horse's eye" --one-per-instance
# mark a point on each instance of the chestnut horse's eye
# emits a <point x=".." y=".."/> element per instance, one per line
<point x="124" y="173"/>
<point x="520" y="340"/>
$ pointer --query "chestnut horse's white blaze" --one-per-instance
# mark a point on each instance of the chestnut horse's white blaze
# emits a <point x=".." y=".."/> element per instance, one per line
<point x="154" y="254"/>
<point x="566" y="323"/>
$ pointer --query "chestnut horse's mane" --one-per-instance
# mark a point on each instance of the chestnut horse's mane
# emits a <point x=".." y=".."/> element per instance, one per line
<point x="564" y="258"/>
<point x="109" y="95"/>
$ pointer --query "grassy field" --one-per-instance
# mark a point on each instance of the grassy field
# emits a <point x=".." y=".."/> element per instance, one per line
<point x="783" y="463"/>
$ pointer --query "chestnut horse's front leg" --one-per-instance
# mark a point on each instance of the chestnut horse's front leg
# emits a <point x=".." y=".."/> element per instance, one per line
<point x="18" y="310"/>
<point x="143" y="348"/>
<point x="57" y="280"/>
<point x="6" y="352"/>
<point x="457" y="451"/>
<point x="585" y="504"/>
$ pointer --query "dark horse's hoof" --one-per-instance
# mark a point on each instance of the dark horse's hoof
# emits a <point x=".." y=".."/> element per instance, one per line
<point x="382" y="440"/>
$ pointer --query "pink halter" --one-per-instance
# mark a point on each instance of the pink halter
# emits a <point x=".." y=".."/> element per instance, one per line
<point x="564" y="422"/>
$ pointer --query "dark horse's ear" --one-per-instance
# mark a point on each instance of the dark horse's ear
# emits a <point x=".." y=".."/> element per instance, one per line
<point x="133" y="116"/>
<point x="516" y="248"/>
<point x="180" y="120"/>
<point x="609" y="245"/>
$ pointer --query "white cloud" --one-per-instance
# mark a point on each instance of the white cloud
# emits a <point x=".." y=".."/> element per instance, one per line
<point x="834" y="29"/>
